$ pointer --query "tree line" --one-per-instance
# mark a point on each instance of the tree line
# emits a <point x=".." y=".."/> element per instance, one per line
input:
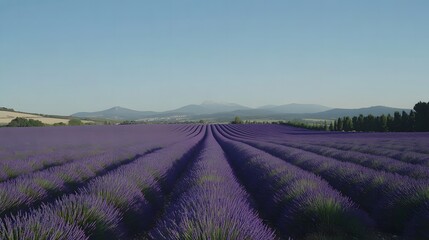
<point x="416" y="120"/>
<point x="24" y="122"/>
<point x="322" y="126"/>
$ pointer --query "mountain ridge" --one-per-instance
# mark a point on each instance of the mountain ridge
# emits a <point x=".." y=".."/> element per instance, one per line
<point x="222" y="111"/>
<point x="373" y="110"/>
<point x="114" y="113"/>
<point x="297" y="108"/>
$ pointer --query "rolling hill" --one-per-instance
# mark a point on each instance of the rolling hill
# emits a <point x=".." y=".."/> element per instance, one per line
<point x="115" y="113"/>
<point x="208" y="107"/>
<point x="341" y="112"/>
<point x="296" y="108"/>
<point x="214" y="111"/>
<point x="7" y="116"/>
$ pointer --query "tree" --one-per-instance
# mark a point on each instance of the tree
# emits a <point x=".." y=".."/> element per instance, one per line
<point x="7" y="109"/>
<point x="23" y="122"/>
<point x="412" y="121"/>
<point x="325" y="126"/>
<point x="383" y="123"/>
<point x="370" y="124"/>
<point x="237" y="120"/>
<point x="340" y="124"/>
<point x="360" y="123"/>
<point x="416" y="120"/>
<point x="422" y="116"/>
<point x="127" y="122"/>
<point x="348" y="124"/>
<point x="389" y="122"/>
<point x="405" y="123"/>
<point x="397" y="122"/>
<point x="75" y="122"/>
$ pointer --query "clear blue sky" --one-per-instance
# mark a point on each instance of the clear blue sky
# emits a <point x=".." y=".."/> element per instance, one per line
<point x="61" y="57"/>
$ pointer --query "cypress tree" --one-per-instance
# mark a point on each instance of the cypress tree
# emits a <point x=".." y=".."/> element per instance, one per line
<point x="340" y="125"/>
<point x="422" y="116"/>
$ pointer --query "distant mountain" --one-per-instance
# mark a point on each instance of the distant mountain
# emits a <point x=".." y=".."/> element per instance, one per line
<point x="208" y="107"/>
<point x="267" y="106"/>
<point x="269" y="114"/>
<point x="215" y="111"/>
<point x="120" y="113"/>
<point x="246" y="113"/>
<point x="342" y="112"/>
<point x="297" y="108"/>
<point x="115" y="113"/>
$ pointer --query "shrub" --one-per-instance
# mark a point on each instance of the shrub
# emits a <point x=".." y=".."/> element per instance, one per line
<point x="23" y="122"/>
<point x="75" y="122"/>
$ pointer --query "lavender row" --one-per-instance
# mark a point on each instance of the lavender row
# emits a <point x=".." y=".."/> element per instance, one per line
<point x="209" y="203"/>
<point x="375" y="162"/>
<point x="39" y="225"/>
<point x="392" y="200"/>
<point x="399" y="204"/>
<point x="412" y="142"/>
<point x="112" y="206"/>
<point x="408" y="157"/>
<point x="39" y="141"/>
<point x="28" y="190"/>
<point x="10" y="169"/>
<point x="298" y="203"/>
<point x="51" y="156"/>
<point x="407" y="147"/>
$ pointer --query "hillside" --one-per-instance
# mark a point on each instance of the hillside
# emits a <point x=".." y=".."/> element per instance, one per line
<point x="208" y="107"/>
<point x="115" y="113"/>
<point x="7" y="116"/>
<point x="121" y="113"/>
<point x="220" y="112"/>
<point x="296" y="108"/>
<point x="341" y="112"/>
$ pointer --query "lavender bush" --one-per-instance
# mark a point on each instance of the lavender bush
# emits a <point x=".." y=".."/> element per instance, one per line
<point x="210" y="204"/>
<point x="190" y="181"/>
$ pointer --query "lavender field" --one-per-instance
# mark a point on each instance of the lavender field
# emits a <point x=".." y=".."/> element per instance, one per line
<point x="212" y="182"/>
